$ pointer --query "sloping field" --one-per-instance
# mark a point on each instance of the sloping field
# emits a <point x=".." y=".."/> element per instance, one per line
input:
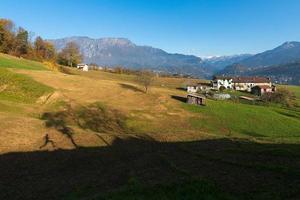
<point x="21" y="88"/>
<point x="7" y="61"/>
<point x="232" y="119"/>
<point x="97" y="135"/>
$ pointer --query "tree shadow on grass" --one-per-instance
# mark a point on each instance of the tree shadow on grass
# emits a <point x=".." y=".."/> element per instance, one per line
<point x="131" y="87"/>
<point x="181" y="88"/>
<point x="179" y="98"/>
<point x="244" y="169"/>
<point x="95" y="117"/>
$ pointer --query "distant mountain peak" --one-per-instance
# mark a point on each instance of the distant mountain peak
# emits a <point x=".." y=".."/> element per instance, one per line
<point x="289" y="44"/>
<point x="281" y="63"/>
<point x="226" y="57"/>
<point x="117" y="41"/>
<point x="220" y="62"/>
<point x="106" y="40"/>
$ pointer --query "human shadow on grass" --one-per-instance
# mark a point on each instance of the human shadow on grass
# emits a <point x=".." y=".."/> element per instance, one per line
<point x="179" y="98"/>
<point x="243" y="169"/>
<point x="131" y="87"/>
<point x="57" y="120"/>
<point x="47" y="141"/>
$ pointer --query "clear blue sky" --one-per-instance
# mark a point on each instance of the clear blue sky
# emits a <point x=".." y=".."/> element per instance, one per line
<point x="199" y="27"/>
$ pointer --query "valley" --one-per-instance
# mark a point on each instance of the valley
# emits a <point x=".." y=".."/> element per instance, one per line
<point x="149" y="100"/>
<point x="98" y="135"/>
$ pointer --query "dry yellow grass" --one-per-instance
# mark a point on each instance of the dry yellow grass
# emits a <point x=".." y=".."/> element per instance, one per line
<point x="156" y="113"/>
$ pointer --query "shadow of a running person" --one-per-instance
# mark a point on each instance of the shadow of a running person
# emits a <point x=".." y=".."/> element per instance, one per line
<point x="47" y="141"/>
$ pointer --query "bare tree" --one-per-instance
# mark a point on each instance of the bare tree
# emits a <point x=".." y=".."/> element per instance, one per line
<point x="70" y="55"/>
<point x="146" y="79"/>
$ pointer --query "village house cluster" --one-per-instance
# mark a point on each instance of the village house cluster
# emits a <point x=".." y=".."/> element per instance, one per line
<point x="255" y="85"/>
<point x="243" y="83"/>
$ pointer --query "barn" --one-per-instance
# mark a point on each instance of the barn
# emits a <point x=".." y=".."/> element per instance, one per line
<point x="196" y="99"/>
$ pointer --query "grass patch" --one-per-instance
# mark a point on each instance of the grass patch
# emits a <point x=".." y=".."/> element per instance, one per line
<point x="10" y="107"/>
<point x="7" y="61"/>
<point x="227" y="118"/>
<point x="295" y="90"/>
<point x="163" y="82"/>
<point x="20" y="88"/>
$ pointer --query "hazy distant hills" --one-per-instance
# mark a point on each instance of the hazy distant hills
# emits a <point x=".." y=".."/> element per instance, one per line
<point x="122" y="52"/>
<point x="285" y="73"/>
<point x="280" y="63"/>
<point x="285" y="53"/>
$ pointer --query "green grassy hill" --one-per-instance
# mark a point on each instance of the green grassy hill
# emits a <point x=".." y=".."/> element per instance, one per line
<point x="94" y="128"/>
<point x="20" y="88"/>
<point x="236" y="119"/>
<point x="7" y="61"/>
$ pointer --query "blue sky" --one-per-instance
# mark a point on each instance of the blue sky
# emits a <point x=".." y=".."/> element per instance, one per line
<point x="199" y="27"/>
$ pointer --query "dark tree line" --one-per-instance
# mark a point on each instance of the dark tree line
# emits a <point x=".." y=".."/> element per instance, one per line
<point x="16" y="41"/>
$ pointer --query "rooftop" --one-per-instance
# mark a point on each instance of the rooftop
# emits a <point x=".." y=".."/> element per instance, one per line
<point x="244" y="79"/>
<point x="253" y="79"/>
<point x="196" y="95"/>
<point x="263" y="86"/>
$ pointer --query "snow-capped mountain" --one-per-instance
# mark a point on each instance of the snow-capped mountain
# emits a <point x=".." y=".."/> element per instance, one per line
<point x="220" y="62"/>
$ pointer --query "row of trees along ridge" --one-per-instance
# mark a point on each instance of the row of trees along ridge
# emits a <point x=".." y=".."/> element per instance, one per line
<point x="16" y="41"/>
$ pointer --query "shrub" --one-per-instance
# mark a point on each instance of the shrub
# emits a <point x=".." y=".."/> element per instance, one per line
<point x="281" y="96"/>
<point x="222" y="88"/>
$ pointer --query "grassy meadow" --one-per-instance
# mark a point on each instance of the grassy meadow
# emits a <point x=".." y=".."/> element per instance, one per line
<point x="97" y="135"/>
<point x="243" y="120"/>
<point x="7" y="61"/>
<point x="21" y="88"/>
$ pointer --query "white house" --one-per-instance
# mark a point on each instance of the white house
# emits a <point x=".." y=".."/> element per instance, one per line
<point x="222" y="81"/>
<point x="83" y="67"/>
<point x="192" y="88"/>
<point x="198" y="87"/>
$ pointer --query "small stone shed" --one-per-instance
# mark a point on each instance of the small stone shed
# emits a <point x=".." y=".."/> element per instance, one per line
<point x="196" y="99"/>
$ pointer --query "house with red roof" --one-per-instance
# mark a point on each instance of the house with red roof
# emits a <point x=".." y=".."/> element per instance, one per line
<point x="244" y="83"/>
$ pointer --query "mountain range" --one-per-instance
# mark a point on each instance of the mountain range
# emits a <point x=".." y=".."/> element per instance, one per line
<point x="122" y="52"/>
<point x="286" y="53"/>
<point x="280" y="63"/>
